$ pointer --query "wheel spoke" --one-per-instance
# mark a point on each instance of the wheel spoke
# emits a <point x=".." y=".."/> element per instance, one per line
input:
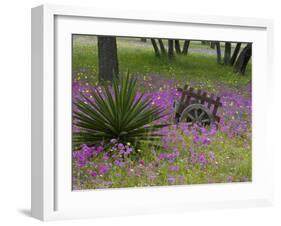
<point x="190" y="116"/>
<point x="196" y="114"/>
<point x="206" y="120"/>
<point x="201" y="115"/>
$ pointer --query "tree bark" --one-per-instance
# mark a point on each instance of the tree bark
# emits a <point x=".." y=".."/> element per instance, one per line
<point x="107" y="56"/>
<point x="177" y="46"/>
<point x="162" y="47"/>
<point x="227" y="53"/>
<point x="243" y="59"/>
<point x="185" y="47"/>
<point x="218" y="49"/>
<point x="155" y="47"/>
<point x="235" y="53"/>
<point x="170" y="48"/>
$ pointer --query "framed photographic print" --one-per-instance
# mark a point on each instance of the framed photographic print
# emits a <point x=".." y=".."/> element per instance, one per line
<point x="138" y="113"/>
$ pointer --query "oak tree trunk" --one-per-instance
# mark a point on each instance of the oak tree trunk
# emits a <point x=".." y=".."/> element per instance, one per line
<point x="235" y="53"/>
<point x="155" y="47"/>
<point x="243" y="59"/>
<point x="177" y="46"/>
<point x="218" y="49"/>
<point x="227" y="53"/>
<point x="107" y="57"/>
<point x="185" y="47"/>
<point x="162" y="47"/>
<point x="170" y="48"/>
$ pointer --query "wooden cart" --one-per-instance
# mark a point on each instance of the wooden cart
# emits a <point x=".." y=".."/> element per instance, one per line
<point x="197" y="107"/>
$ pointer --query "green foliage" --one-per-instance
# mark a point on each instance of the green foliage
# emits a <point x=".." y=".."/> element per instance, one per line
<point x="118" y="112"/>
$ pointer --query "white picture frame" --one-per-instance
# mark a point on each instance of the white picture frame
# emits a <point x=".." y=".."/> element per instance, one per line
<point x="52" y="197"/>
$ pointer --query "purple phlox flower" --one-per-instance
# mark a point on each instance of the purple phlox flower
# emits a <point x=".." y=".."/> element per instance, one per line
<point x="173" y="133"/>
<point x="120" y="146"/>
<point x="141" y="162"/>
<point x="174" y="168"/>
<point x="83" y="146"/>
<point x="202" y="159"/>
<point x="108" y="183"/>
<point x="213" y="130"/>
<point x="152" y="177"/>
<point x="121" y="151"/>
<point x="169" y="156"/>
<point x="203" y="130"/>
<point x="82" y="156"/>
<point x="94" y="174"/>
<point x="131" y="172"/>
<point x="162" y="156"/>
<point x="99" y="149"/>
<point x="171" y="180"/>
<point x="105" y="157"/>
<point x="196" y="139"/>
<point x="103" y="169"/>
<point x="119" y="162"/>
<point x="128" y="150"/>
<point x="164" y="130"/>
<point x="194" y="157"/>
<point x="206" y="141"/>
<point x="211" y="154"/>
<point x="87" y="151"/>
<point x="138" y="173"/>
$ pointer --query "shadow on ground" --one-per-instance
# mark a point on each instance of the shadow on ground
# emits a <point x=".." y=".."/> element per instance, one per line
<point x="26" y="212"/>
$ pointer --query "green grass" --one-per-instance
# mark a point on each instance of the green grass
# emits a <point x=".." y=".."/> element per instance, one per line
<point x="142" y="61"/>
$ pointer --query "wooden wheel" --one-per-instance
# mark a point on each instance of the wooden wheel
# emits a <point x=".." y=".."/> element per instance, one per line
<point x="197" y="113"/>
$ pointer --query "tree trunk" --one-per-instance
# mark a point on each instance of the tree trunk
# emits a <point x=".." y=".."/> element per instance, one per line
<point x="218" y="48"/>
<point x="177" y="46"/>
<point x="243" y="59"/>
<point x="170" y="48"/>
<point x="162" y="47"/>
<point x="235" y="53"/>
<point x="107" y="56"/>
<point x="185" y="47"/>
<point x="212" y="45"/>
<point x="227" y="53"/>
<point x="155" y="47"/>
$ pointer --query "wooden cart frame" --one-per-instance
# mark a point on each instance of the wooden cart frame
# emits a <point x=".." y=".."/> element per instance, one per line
<point x="197" y="106"/>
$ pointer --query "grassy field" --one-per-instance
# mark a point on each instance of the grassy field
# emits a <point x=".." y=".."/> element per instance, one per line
<point x="138" y="57"/>
<point x="185" y="155"/>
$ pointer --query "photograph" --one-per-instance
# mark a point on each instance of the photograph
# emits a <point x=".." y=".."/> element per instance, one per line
<point x="152" y="111"/>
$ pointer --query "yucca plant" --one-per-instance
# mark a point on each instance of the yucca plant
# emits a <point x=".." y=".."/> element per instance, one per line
<point x="117" y="113"/>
